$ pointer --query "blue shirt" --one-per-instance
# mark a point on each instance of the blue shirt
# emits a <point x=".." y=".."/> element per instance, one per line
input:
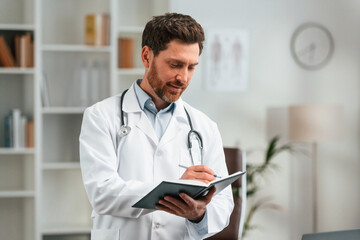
<point x="160" y="120"/>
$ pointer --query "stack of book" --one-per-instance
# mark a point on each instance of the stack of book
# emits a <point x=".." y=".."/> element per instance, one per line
<point x="97" y="29"/>
<point x="19" y="131"/>
<point x="24" y="52"/>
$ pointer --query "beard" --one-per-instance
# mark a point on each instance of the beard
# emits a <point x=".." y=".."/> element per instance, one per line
<point x="162" y="88"/>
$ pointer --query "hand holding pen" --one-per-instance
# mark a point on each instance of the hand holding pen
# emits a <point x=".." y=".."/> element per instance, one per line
<point x="199" y="172"/>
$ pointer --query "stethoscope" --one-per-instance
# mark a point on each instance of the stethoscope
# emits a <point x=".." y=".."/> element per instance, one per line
<point x="192" y="135"/>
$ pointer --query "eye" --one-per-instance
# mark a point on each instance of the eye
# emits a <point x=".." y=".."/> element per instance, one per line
<point x="176" y="65"/>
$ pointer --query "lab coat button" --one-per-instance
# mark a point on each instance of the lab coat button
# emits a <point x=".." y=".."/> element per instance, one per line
<point x="157" y="225"/>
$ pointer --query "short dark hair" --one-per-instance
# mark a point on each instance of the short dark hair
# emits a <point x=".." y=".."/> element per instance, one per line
<point x="160" y="30"/>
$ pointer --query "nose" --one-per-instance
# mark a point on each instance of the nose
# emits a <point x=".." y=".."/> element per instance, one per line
<point x="183" y="75"/>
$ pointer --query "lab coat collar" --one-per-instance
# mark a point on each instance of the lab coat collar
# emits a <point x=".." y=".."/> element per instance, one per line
<point x="131" y="103"/>
<point x="179" y="112"/>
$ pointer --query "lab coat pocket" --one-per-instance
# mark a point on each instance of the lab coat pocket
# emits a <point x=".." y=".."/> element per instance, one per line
<point x="105" y="234"/>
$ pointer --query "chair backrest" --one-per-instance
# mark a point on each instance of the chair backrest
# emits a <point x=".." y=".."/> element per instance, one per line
<point x="235" y="161"/>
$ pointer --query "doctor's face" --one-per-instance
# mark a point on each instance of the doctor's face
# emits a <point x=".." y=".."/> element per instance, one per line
<point x="171" y="70"/>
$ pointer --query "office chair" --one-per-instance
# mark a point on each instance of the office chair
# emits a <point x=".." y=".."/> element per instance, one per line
<point x="235" y="161"/>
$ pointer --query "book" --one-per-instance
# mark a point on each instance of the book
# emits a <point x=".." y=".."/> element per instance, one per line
<point x="8" y="122"/>
<point x="90" y="31"/>
<point x="31" y="54"/>
<point x="30" y="138"/>
<point x="17" y="50"/>
<point x="126" y="52"/>
<point x="45" y="98"/>
<point x="193" y="188"/>
<point x="6" y="58"/>
<point x="16" y="130"/>
<point x="24" y="51"/>
<point x="105" y="36"/>
<point x="22" y="130"/>
<point x="99" y="30"/>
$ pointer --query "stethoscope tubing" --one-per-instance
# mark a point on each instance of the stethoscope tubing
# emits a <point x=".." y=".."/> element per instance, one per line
<point x="125" y="129"/>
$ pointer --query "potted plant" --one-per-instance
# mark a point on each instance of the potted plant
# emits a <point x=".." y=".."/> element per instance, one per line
<point x="256" y="172"/>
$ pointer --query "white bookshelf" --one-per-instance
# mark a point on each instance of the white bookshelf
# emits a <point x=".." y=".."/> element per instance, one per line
<point x="75" y="48"/>
<point x="17" y="194"/>
<point x="131" y="72"/>
<point x="41" y="188"/>
<point x="130" y="30"/>
<point x="61" y="166"/>
<point x="17" y="151"/>
<point x="17" y="27"/>
<point x="16" y="70"/>
<point x="63" y="110"/>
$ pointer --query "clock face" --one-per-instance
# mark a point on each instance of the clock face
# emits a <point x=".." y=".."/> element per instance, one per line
<point x="312" y="46"/>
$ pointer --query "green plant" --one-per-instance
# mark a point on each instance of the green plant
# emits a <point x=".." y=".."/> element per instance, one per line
<point x="256" y="172"/>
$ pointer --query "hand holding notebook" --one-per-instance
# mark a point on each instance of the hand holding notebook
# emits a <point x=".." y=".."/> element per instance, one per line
<point x="193" y="188"/>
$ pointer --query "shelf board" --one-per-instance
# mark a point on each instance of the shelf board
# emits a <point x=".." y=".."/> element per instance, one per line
<point x="128" y="29"/>
<point x="75" y="48"/>
<point x="16" y="151"/>
<point x="63" y="110"/>
<point x="66" y="230"/>
<point x="61" y="166"/>
<point x="16" y="194"/>
<point x="131" y="71"/>
<point x="16" y="70"/>
<point x="17" y="27"/>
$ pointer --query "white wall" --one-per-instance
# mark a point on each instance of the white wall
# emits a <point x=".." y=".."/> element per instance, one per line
<point x="275" y="80"/>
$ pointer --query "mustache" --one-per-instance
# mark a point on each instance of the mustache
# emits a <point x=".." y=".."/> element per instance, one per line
<point x="177" y="83"/>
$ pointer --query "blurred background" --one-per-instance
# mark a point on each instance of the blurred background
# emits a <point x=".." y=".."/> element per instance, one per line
<point x="60" y="64"/>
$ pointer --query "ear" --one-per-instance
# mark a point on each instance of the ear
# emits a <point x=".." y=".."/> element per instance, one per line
<point x="146" y="56"/>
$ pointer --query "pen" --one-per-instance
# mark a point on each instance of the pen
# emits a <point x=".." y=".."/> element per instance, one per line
<point x="183" y="166"/>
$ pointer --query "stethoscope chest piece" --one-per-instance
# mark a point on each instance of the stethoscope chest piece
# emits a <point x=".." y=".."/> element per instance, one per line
<point x="124" y="130"/>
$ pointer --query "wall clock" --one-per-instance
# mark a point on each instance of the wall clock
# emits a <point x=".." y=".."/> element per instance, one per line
<point x="312" y="46"/>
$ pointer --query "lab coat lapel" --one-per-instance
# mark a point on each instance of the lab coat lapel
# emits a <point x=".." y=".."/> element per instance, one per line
<point x="178" y="123"/>
<point x="145" y="126"/>
<point x="131" y="105"/>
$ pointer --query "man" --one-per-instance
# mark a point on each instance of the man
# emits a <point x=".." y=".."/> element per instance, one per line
<point x="131" y="142"/>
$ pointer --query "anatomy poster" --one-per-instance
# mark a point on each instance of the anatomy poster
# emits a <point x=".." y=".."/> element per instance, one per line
<point x="227" y="60"/>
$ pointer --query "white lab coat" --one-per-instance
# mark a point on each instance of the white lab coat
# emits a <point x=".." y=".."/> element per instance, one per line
<point x="117" y="171"/>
